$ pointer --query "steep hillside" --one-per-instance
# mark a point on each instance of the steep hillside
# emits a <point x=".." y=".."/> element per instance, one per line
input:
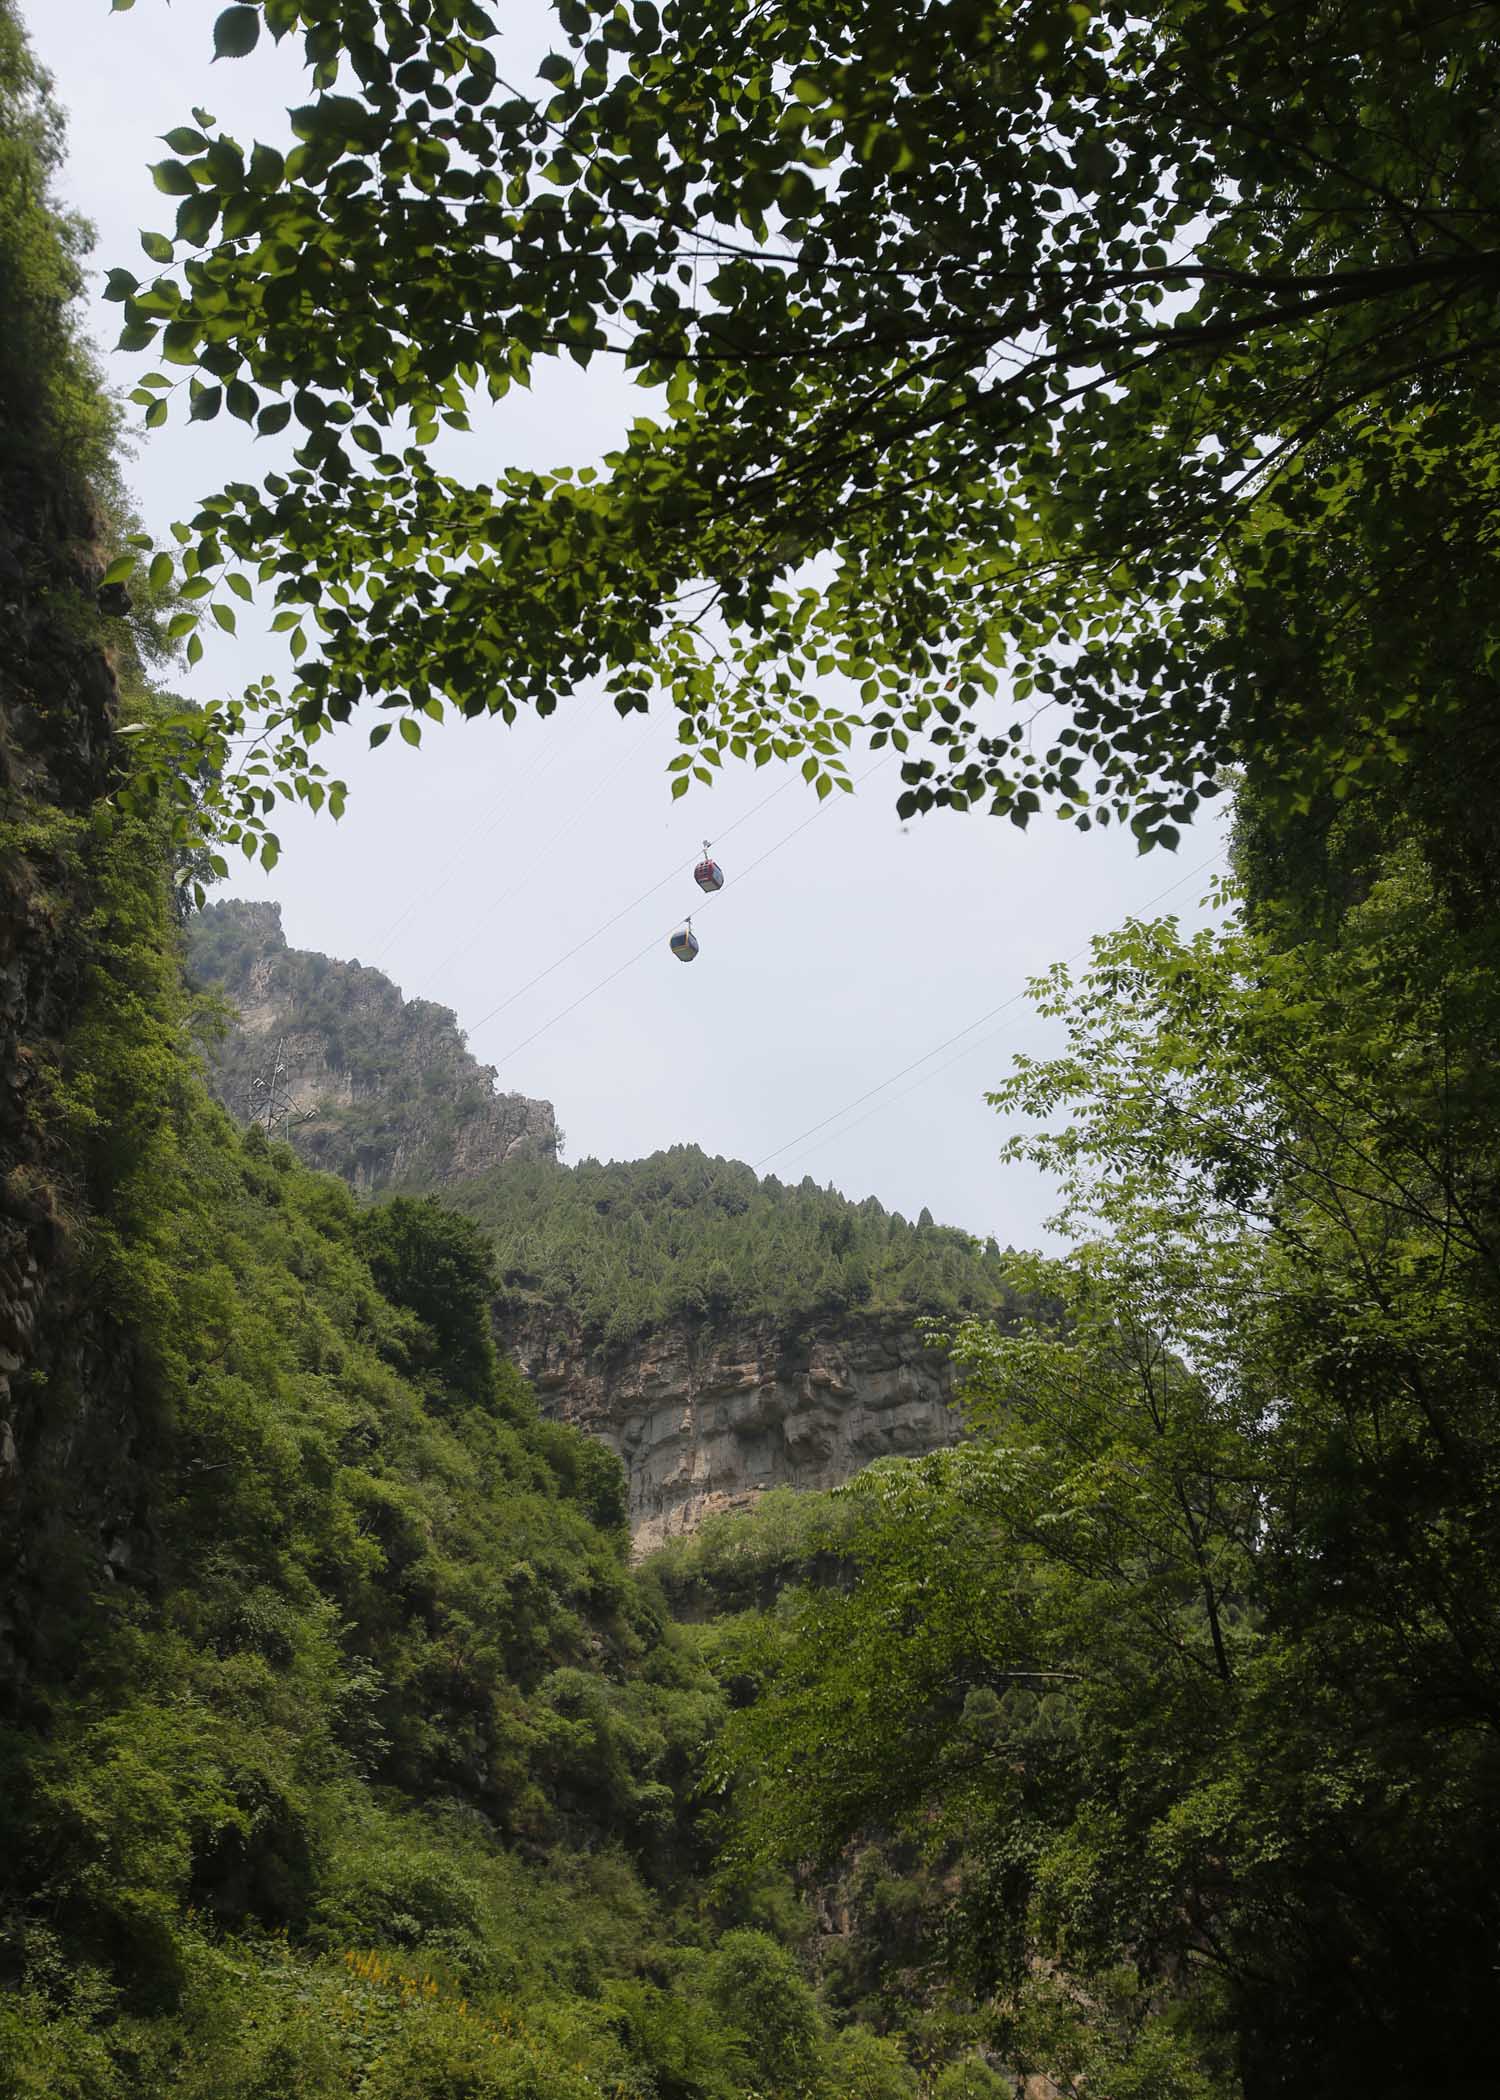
<point x="338" y="1750"/>
<point x="382" y="1090"/>
<point x="320" y="1671"/>
<point x="628" y="1246"/>
<point x="59" y="522"/>
<point x="707" y="1416"/>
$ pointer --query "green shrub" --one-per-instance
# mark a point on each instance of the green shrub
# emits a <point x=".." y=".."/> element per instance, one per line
<point x="758" y="1990"/>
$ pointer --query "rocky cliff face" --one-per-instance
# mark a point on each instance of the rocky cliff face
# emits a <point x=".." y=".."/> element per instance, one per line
<point x="74" y="1426"/>
<point x="707" y="1418"/>
<point x="57" y="759"/>
<point x="376" y="1088"/>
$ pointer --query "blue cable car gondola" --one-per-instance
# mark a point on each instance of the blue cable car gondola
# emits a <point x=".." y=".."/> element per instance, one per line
<point x="708" y="875"/>
<point x="684" y="943"/>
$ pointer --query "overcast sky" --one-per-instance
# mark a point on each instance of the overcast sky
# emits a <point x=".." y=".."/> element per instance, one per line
<point x="844" y="946"/>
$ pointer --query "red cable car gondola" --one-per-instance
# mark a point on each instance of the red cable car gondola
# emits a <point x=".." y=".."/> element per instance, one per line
<point x="708" y="875"/>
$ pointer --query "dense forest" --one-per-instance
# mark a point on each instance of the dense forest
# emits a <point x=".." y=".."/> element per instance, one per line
<point x="629" y="1245"/>
<point x="1146" y="1744"/>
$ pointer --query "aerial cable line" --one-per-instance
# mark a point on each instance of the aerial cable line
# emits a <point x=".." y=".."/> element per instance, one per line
<point x="1014" y="999"/>
<point x="640" y="955"/>
<point x="672" y="875"/>
<point x="541" y="760"/>
<point x="786" y="841"/>
<point x="629" y="963"/>
<point x="968" y="1051"/>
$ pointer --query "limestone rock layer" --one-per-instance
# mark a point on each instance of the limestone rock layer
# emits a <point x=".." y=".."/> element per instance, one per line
<point x="706" y="1418"/>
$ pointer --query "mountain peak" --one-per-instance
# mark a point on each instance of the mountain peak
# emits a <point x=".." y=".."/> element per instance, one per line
<point x="380" y="1089"/>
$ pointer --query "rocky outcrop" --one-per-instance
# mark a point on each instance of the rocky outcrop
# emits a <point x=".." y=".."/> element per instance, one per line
<point x="370" y="1086"/>
<point x="707" y="1418"/>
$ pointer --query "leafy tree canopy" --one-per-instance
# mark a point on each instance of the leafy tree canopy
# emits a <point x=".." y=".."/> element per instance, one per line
<point x="1189" y="1652"/>
<point x="439" y="1267"/>
<point x="627" y="1244"/>
<point x="1009" y="358"/>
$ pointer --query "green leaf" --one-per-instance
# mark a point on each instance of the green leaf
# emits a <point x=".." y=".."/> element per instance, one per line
<point x="184" y="141"/>
<point x="157" y="246"/>
<point x="379" y="735"/>
<point x="798" y="195"/>
<point x="224" y="616"/>
<point x="196" y="216"/>
<point x="267" y="168"/>
<point x="160" y="572"/>
<point x="274" y="418"/>
<point x="241" y="400"/>
<point x="237" y="32"/>
<point x="122" y="567"/>
<point x="411" y="730"/>
<point x="173" y="179"/>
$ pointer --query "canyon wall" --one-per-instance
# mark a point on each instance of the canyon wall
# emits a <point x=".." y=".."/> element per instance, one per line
<point x="707" y="1417"/>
